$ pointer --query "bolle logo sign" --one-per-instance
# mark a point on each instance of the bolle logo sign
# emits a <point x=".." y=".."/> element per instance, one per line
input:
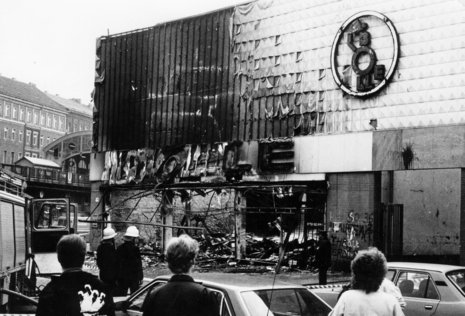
<point x="364" y="53"/>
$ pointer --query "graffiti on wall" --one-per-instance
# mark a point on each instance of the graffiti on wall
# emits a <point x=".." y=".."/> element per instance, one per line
<point x="353" y="233"/>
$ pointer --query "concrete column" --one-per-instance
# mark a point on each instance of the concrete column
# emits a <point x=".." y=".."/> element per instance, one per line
<point x="97" y="164"/>
<point x="167" y="219"/>
<point x="97" y="208"/>
<point x="167" y="231"/>
<point x="240" y="225"/>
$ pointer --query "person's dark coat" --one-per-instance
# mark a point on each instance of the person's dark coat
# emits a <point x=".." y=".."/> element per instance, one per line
<point x="129" y="262"/>
<point x="181" y="296"/>
<point x="323" y="253"/>
<point x="107" y="262"/>
<point x="74" y="293"/>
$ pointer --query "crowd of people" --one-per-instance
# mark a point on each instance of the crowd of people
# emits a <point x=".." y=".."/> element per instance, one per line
<point x="76" y="292"/>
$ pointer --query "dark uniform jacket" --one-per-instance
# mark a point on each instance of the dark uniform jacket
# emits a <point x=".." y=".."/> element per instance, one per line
<point x="129" y="262"/>
<point x="181" y="296"/>
<point x="107" y="262"/>
<point x="323" y="253"/>
<point x="73" y="294"/>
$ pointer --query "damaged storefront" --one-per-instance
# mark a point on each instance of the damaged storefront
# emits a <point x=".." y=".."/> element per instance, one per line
<point x="220" y="195"/>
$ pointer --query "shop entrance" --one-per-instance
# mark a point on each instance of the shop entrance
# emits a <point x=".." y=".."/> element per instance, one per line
<point x="290" y="215"/>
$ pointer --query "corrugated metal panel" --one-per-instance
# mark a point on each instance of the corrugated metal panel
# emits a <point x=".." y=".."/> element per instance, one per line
<point x="20" y="235"/>
<point x="166" y="85"/>
<point x="7" y="244"/>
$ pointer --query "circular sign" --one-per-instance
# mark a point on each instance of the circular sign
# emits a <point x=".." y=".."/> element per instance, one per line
<point x="360" y="63"/>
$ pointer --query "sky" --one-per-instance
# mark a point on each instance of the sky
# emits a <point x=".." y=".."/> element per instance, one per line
<point x="51" y="43"/>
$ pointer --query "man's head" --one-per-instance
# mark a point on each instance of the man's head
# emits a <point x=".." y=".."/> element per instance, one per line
<point x="71" y="251"/>
<point x="180" y="253"/>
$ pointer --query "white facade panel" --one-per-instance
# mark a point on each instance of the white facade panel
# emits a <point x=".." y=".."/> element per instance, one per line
<point x="334" y="153"/>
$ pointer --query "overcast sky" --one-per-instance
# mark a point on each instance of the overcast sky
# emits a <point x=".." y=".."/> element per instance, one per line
<point x="51" y="43"/>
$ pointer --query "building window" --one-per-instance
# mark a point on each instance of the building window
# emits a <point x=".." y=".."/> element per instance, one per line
<point x="28" y="138"/>
<point x="34" y="155"/>
<point x="13" y="134"/>
<point x="36" y="117"/>
<point x="5" y="133"/>
<point x="20" y="136"/>
<point x="28" y="116"/>
<point x="42" y="119"/>
<point x="20" y="155"/>
<point x="7" y="110"/>
<point x="49" y="120"/>
<point x="35" y="137"/>
<point x="4" y="156"/>
<point x="12" y="157"/>
<point x="55" y="122"/>
<point x="61" y="123"/>
<point x="75" y="129"/>
<point x="14" y="112"/>
<point x="21" y="114"/>
<point x="41" y="140"/>
<point x="68" y="128"/>
<point x="1" y="108"/>
<point x="48" y="140"/>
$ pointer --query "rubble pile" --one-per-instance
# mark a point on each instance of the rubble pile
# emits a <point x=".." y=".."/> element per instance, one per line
<point x="217" y="253"/>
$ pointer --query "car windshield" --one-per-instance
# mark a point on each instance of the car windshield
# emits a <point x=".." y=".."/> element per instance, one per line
<point x="458" y="278"/>
<point x="280" y="302"/>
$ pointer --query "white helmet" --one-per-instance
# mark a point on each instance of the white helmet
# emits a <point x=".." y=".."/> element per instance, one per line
<point x="132" y="231"/>
<point x="108" y="233"/>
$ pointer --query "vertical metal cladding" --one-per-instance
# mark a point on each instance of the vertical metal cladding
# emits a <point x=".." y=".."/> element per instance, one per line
<point x="166" y="85"/>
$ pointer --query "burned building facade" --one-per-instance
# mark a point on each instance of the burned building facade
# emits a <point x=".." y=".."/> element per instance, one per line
<point x="297" y="115"/>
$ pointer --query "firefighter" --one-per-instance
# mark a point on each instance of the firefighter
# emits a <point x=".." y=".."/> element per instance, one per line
<point x="130" y="273"/>
<point x="106" y="259"/>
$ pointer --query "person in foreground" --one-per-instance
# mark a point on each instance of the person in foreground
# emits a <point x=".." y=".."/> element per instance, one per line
<point x="181" y="296"/>
<point x="365" y="297"/>
<point x="74" y="292"/>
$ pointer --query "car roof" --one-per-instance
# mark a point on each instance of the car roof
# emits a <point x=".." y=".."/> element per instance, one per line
<point x="425" y="266"/>
<point x="236" y="281"/>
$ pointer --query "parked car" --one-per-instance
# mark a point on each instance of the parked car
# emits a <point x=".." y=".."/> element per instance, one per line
<point x="17" y="303"/>
<point x="241" y="295"/>
<point x="428" y="289"/>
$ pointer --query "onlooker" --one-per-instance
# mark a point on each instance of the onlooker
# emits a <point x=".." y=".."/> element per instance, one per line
<point x="323" y="256"/>
<point x="369" y="269"/>
<point x="389" y="287"/>
<point x="106" y="259"/>
<point x="181" y="296"/>
<point x="130" y="273"/>
<point x="74" y="292"/>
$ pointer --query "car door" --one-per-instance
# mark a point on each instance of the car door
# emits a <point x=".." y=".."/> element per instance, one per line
<point x="134" y="303"/>
<point x="419" y="291"/>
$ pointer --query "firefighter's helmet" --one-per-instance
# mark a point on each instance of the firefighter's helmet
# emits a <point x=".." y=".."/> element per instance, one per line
<point x="132" y="231"/>
<point x="108" y="233"/>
